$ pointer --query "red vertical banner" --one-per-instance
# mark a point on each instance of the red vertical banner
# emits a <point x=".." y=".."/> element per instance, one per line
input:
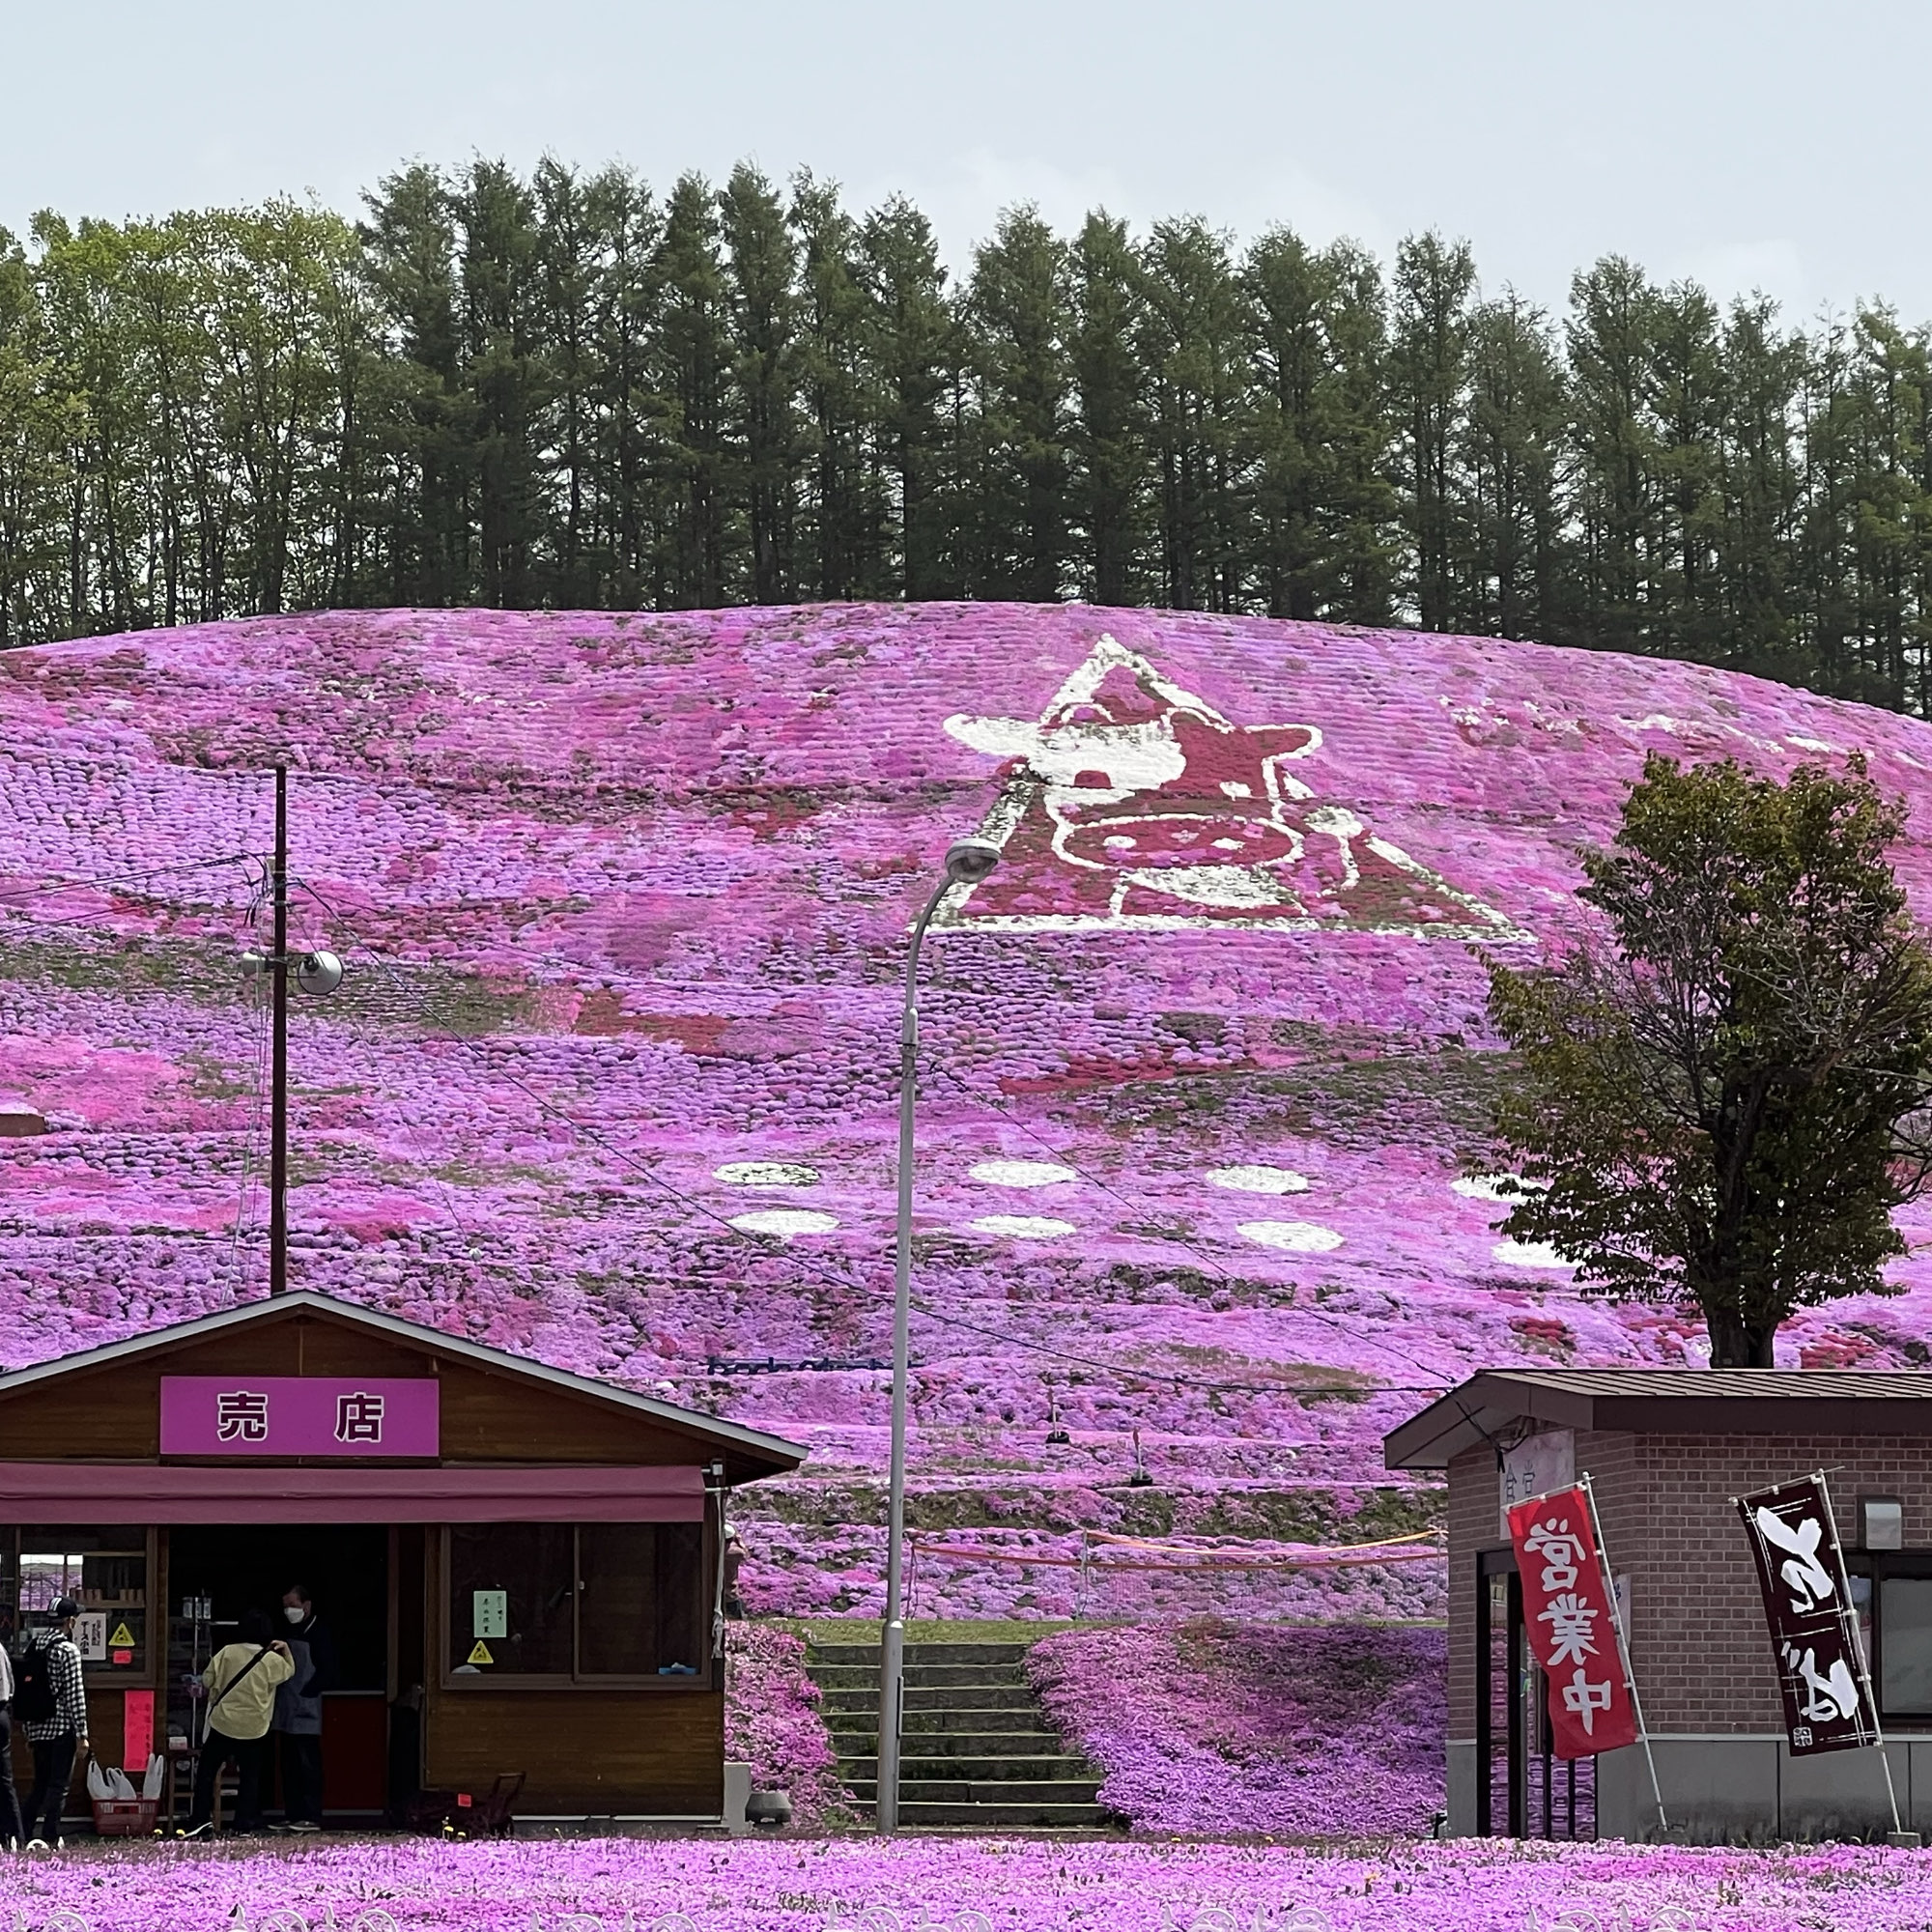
<point x="1570" y="1623"/>
<point x="137" y="1732"/>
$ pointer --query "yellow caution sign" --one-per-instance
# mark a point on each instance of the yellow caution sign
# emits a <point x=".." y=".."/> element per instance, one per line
<point x="122" y="1637"/>
<point x="480" y="1654"/>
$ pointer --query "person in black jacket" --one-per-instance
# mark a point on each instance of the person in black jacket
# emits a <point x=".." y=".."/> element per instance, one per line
<point x="298" y="1710"/>
<point x="60" y="1736"/>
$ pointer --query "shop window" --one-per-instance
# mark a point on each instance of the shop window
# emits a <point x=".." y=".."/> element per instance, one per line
<point x="105" y="1571"/>
<point x="1905" y="1660"/>
<point x="511" y="1586"/>
<point x="640" y="1608"/>
<point x="595" y="1602"/>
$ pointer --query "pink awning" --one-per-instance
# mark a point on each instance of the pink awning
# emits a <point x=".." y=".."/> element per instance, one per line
<point x="146" y="1492"/>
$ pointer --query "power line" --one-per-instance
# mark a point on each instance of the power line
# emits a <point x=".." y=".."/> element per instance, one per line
<point x="844" y="1283"/>
<point x="49" y="890"/>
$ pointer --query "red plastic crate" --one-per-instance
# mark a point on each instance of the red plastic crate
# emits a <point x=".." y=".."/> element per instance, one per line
<point x="125" y="1817"/>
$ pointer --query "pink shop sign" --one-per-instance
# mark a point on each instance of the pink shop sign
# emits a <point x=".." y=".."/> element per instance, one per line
<point x="298" y="1415"/>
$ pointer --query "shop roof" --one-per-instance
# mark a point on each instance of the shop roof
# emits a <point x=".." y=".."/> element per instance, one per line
<point x="1687" y="1401"/>
<point x="752" y="1451"/>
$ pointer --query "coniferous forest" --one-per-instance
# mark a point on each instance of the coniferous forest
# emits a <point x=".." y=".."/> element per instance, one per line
<point x="570" y="390"/>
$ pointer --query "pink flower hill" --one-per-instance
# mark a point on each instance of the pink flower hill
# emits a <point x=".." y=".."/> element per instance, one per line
<point x="611" y="1079"/>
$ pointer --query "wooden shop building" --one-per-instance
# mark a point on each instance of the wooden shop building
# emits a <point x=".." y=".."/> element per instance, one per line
<point x="521" y="1568"/>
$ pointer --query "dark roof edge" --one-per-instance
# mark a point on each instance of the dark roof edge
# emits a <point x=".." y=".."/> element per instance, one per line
<point x="1493" y="1398"/>
<point x="694" y="1421"/>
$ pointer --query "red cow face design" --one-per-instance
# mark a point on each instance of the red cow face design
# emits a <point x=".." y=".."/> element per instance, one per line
<point x="1159" y="840"/>
<point x="1133" y="803"/>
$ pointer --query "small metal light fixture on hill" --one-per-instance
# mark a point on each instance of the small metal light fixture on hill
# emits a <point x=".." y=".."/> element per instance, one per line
<point x="315" y="973"/>
<point x="968" y="861"/>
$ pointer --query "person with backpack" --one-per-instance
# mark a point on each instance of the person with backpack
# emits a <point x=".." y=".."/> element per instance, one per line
<point x="50" y="1699"/>
<point x="13" y="1827"/>
<point x="241" y="1682"/>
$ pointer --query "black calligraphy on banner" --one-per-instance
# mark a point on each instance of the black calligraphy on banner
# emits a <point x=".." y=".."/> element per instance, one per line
<point x="1813" y="1625"/>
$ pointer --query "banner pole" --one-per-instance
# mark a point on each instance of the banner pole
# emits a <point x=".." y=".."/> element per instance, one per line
<point x="1858" y="1650"/>
<point x="1610" y="1583"/>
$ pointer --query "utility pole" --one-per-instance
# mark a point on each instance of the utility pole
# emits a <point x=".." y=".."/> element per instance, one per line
<point x="278" y="1104"/>
<point x="317" y="973"/>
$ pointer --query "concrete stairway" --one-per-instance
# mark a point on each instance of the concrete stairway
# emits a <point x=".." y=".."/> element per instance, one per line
<point x="977" y="1752"/>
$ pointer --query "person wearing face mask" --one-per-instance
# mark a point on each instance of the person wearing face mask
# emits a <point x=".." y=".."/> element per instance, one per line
<point x="298" y="1710"/>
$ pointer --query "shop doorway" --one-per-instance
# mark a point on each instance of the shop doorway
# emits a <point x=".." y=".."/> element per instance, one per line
<point x="217" y="1572"/>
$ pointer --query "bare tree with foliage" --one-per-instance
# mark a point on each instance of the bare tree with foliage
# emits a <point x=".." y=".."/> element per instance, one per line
<point x="1721" y="1088"/>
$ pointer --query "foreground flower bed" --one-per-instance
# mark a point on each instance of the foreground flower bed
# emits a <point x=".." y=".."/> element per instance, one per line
<point x="1216" y="1728"/>
<point x="772" y="1723"/>
<point x="967" y="1885"/>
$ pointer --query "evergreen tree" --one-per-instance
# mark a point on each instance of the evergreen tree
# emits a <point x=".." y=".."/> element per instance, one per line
<point x="1191" y="348"/>
<point x="1109" y="484"/>
<point x="1435" y="285"/>
<point x="1018" y="303"/>
<point x="763" y="305"/>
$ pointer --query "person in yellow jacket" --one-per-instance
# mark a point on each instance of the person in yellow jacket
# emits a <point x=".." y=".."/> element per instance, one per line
<point x="241" y="1682"/>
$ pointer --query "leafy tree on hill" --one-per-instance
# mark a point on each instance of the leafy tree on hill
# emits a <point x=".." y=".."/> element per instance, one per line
<point x="1722" y="1088"/>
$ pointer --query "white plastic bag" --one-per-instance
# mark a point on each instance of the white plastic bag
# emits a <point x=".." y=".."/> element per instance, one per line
<point x="98" y="1785"/>
<point x="151" y="1784"/>
<point x="124" y="1786"/>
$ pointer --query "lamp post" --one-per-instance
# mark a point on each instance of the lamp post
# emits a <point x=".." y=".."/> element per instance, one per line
<point x="968" y="861"/>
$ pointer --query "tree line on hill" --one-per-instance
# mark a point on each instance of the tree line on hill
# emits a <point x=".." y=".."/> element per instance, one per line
<point x="566" y="390"/>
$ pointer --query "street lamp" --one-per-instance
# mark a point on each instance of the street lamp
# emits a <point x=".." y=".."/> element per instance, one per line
<point x="967" y="862"/>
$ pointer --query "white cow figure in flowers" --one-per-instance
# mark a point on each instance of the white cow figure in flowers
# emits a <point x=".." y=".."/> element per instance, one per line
<point x="1131" y="802"/>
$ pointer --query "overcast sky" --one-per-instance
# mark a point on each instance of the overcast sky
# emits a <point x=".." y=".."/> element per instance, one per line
<point x="1748" y="143"/>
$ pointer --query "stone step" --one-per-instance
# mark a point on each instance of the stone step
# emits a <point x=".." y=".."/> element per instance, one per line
<point x="1069" y="1817"/>
<point x="1003" y="1793"/>
<point x="927" y="1768"/>
<point x="921" y="1652"/>
<point x="926" y="1676"/>
<point x="938" y="1697"/>
<point x="853" y="1745"/>
<point x="865" y="1719"/>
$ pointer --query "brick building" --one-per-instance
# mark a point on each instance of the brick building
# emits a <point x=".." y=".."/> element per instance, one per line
<point x="1666" y="1451"/>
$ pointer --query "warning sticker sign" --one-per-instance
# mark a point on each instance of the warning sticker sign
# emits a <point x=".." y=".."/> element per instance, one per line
<point x="122" y="1637"/>
<point x="480" y="1653"/>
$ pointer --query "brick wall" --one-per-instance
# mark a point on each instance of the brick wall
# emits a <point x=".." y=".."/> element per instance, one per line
<point x="1697" y="1635"/>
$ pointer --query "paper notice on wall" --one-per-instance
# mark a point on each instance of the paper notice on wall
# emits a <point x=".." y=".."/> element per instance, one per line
<point x="490" y="1612"/>
<point x="137" y="1730"/>
<point x="1537" y="1466"/>
<point x="90" y="1634"/>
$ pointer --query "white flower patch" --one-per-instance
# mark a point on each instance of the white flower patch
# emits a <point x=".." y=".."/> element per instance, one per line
<point x="1298" y="1237"/>
<point x="784" y="1222"/>
<point x="1530" y="1255"/>
<point x="1804" y="744"/>
<point x="1259" y="1179"/>
<point x="1506" y="1189"/>
<point x="766" y="1174"/>
<point x="1023" y="1227"/>
<point x="1021" y="1172"/>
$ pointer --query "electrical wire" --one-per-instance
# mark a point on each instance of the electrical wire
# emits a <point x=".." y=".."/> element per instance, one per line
<point x="11" y="895"/>
<point x="845" y="1283"/>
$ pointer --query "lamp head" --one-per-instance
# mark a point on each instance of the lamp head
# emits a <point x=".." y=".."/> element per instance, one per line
<point x="968" y="861"/>
<point x="254" y="964"/>
<point x="319" y="973"/>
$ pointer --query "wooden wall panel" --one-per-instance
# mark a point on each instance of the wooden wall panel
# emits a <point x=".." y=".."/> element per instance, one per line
<point x="603" y="1752"/>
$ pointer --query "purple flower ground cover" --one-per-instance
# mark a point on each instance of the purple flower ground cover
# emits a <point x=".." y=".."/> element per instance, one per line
<point x="611" y="1079"/>
<point x="1224" y="1729"/>
<point x="968" y="1886"/>
<point x="772" y="1723"/>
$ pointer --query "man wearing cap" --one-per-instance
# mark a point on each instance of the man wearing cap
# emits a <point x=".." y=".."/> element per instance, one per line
<point x="59" y="1737"/>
